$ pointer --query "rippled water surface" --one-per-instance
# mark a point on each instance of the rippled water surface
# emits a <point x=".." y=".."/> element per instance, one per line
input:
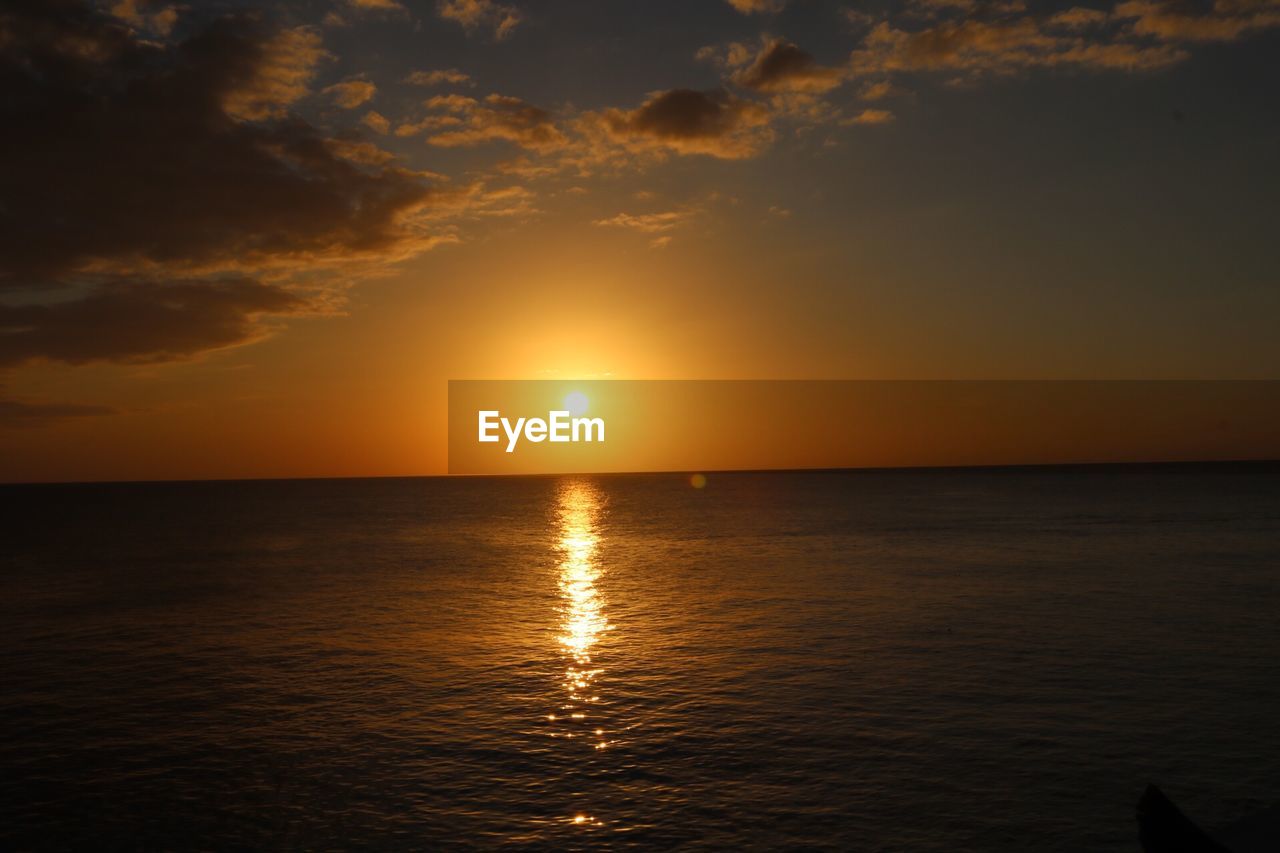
<point x="931" y="661"/>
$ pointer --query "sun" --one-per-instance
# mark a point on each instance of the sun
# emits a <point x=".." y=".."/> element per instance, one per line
<point x="576" y="403"/>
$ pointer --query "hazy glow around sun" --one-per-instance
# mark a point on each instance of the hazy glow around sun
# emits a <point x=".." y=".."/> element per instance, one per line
<point x="576" y="403"/>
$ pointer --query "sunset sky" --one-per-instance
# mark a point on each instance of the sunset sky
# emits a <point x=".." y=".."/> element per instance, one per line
<point x="242" y="240"/>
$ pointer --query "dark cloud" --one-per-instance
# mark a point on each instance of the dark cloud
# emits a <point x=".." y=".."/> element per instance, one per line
<point x="17" y="414"/>
<point x="687" y="121"/>
<point x="129" y="163"/>
<point x="141" y="322"/>
<point x="781" y="66"/>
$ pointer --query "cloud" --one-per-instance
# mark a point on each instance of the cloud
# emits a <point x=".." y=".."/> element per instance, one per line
<point x="19" y="414"/>
<point x="781" y="66"/>
<point x="479" y="201"/>
<point x="1003" y="46"/>
<point x="792" y="79"/>
<point x="1227" y="20"/>
<point x="877" y="90"/>
<point x="384" y="8"/>
<point x="149" y="17"/>
<point x="501" y="19"/>
<point x="1078" y="17"/>
<point x="685" y="121"/>
<point x="350" y="94"/>
<point x="976" y="37"/>
<point x="648" y="223"/>
<point x="435" y="78"/>
<point x="859" y="20"/>
<point x="754" y="7"/>
<point x="376" y="122"/>
<point x="142" y="322"/>
<point x="986" y="8"/>
<point x="656" y="225"/>
<point x="357" y="150"/>
<point x="870" y="117"/>
<point x="276" y="71"/>
<point x="525" y="167"/>
<point x="732" y="55"/>
<point x="466" y="121"/>
<point x="428" y="123"/>
<point x="169" y="180"/>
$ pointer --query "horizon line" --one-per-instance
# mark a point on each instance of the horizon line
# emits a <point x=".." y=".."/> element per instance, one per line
<point x="1014" y="466"/>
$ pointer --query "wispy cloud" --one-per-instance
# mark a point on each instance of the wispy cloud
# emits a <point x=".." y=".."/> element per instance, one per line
<point x="499" y="19"/>
<point x="437" y="77"/>
<point x="870" y="117"/>
<point x="152" y="18"/>
<point x="657" y="226"/>
<point x="458" y="120"/>
<point x="757" y="7"/>
<point x="29" y="414"/>
<point x="350" y="94"/>
<point x="376" y="122"/>
<point x="275" y="70"/>
<point x="1226" y="20"/>
<point x="978" y="46"/>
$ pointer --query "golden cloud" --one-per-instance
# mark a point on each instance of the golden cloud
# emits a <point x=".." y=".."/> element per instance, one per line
<point x="998" y="47"/>
<point x="498" y="117"/>
<point x="376" y="122"/>
<point x="756" y="7"/>
<point x="277" y="73"/>
<point x="435" y="78"/>
<point x="1227" y="20"/>
<point x="498" y="18"/>
<point x="350" y="94"/>
<point x="870" y="117"/>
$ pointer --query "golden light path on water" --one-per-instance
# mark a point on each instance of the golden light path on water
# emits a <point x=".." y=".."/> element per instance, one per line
<point x="582" y="616"/>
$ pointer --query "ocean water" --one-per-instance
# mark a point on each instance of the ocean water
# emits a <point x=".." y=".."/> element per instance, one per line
<point x="917" y="661"/>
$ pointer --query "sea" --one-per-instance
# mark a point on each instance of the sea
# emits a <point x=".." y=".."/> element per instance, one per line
<point x="927" y="660"/>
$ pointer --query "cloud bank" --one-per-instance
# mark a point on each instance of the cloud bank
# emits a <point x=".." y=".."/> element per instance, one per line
<point x="167" y="198"/>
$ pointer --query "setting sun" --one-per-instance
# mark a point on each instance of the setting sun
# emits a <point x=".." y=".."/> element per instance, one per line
<point x="576" y="403"/>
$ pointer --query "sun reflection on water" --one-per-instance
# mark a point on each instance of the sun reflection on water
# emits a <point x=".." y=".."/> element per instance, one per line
<point x="582" y="608"/>
<point x="582" y="617"/>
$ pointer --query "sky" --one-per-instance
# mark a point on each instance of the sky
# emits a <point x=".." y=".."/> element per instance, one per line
<point x="257" y="240"/>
